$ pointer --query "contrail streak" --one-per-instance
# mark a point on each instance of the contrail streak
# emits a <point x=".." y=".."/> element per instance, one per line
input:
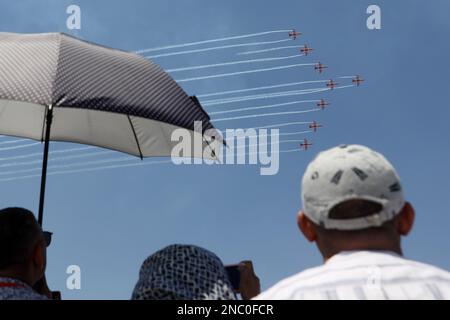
<point x="267" y="144"/>
<point x="215" y="65"/>
<point x="264" y="115"/>
<point x="13" y="141"/>
<point x="245" y="72"/>
<point x="79" y="156"/>
<point x="62" y="172"/>
<point x="343" y="87"/>
<point x="294" y="133"/>
<point x="346" y="77"/>
<point x="267" y="50"/>
<point x="270" y="95"/>
<point x="259" y="88"/>
<point x="283" y="134"/>
<point x="87" y="170"/>
<point x="291" y="150"/>
<point x="188" y="44"/>
<point x="233" y="99"/>
<point x="263" y="107"/>
<point x="20" y="147"/>
<point x="31" y="155"/>
<point x="169" y="54"/>
<point x="73" y="165"/>
<point x="209" y="103"/>
<point x="284" y="124"/>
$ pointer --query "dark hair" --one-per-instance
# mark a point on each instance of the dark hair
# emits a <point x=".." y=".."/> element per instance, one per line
<point x="19" y="232"/>
<point x="355" y="208"/>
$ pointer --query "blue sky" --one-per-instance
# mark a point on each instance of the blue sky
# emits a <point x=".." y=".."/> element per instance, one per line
<point x="108" y="222"/>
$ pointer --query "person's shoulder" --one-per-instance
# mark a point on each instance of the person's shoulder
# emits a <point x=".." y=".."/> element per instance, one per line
<point x="20" y="294"/>
<point x="284" y="288"/>
<point x="428" y="270"/>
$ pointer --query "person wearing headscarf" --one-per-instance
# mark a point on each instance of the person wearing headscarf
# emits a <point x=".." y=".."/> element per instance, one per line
<point x="187" y="272"/>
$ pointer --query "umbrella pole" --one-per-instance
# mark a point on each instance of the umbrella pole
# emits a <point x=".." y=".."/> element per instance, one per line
<point x="49" y="118"/>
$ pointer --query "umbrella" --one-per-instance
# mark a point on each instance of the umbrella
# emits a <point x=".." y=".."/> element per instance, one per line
<point x="54" y="87"/>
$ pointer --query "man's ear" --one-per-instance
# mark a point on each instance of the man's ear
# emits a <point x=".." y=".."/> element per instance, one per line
<point x="306" y="226"/>
<point x="406" y="219"/>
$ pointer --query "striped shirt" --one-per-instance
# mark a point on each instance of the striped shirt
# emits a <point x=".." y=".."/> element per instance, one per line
<point x="364" y="275"/>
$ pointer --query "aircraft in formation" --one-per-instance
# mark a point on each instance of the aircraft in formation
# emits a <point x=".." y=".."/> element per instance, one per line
<point x="294" y="34"/>
<point x="357" y="80"/>
<point x="306" y="50"/>
<point x="331" y="84"/>
<point x="315" y="126"/>
<point x="305" y="144"/>
<point x="322" y="104"/>
<point x="319" y="67"/>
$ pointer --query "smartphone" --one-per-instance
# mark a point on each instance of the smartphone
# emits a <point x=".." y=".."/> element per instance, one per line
<point x="234" y="275"/>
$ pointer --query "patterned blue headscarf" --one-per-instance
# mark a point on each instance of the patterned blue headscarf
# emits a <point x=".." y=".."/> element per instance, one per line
<point x="183" y="272"/>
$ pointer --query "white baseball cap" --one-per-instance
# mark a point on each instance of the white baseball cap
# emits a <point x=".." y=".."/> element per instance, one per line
<point x="349" y="172"/>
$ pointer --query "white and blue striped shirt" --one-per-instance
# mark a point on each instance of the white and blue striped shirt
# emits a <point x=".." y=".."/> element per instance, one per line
<point x="364" y="275"/>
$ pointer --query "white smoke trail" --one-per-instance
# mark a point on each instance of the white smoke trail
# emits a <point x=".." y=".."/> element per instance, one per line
<point x="169" y="54"/>
<point x="86" y="170"/>
<point x="94" y="169"/>
<point x="294" y="133"/>
<point x="223" y="64"/>
<point x="346" y="77"/>
<point x="267" y="50"/>
<point x="343" y="87"/>
<point x="72" y="165"/>
<point x="83" y="155"/>
<point x="291" y="150"/>
<point x="284" y="124"/>
<point x="245" y="72"/>
<point x="91" y="147"/>
<point x="21" y="146"/>
<point x="13" y="141"/>
<point x="53" y="159"/>
<point x="259" y="88"/>
<point x="264" y="115"/>
<point x="268" y="94"/>
<point x="283" y="134"/>
<point x="210" y="103"/>
<point x="277" y="126"/>
<point x="268" y="144"/>
<point x="92" y="154"/>
<point x="189" y="44"/>
<point x="263" y="107"/>
<point x="39" y="154"/>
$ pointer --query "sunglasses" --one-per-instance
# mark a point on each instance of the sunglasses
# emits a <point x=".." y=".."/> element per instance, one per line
<point x="47" y="237"/>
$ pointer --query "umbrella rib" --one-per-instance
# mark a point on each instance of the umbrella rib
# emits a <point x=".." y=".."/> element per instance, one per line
<point x="135" y="137"/>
